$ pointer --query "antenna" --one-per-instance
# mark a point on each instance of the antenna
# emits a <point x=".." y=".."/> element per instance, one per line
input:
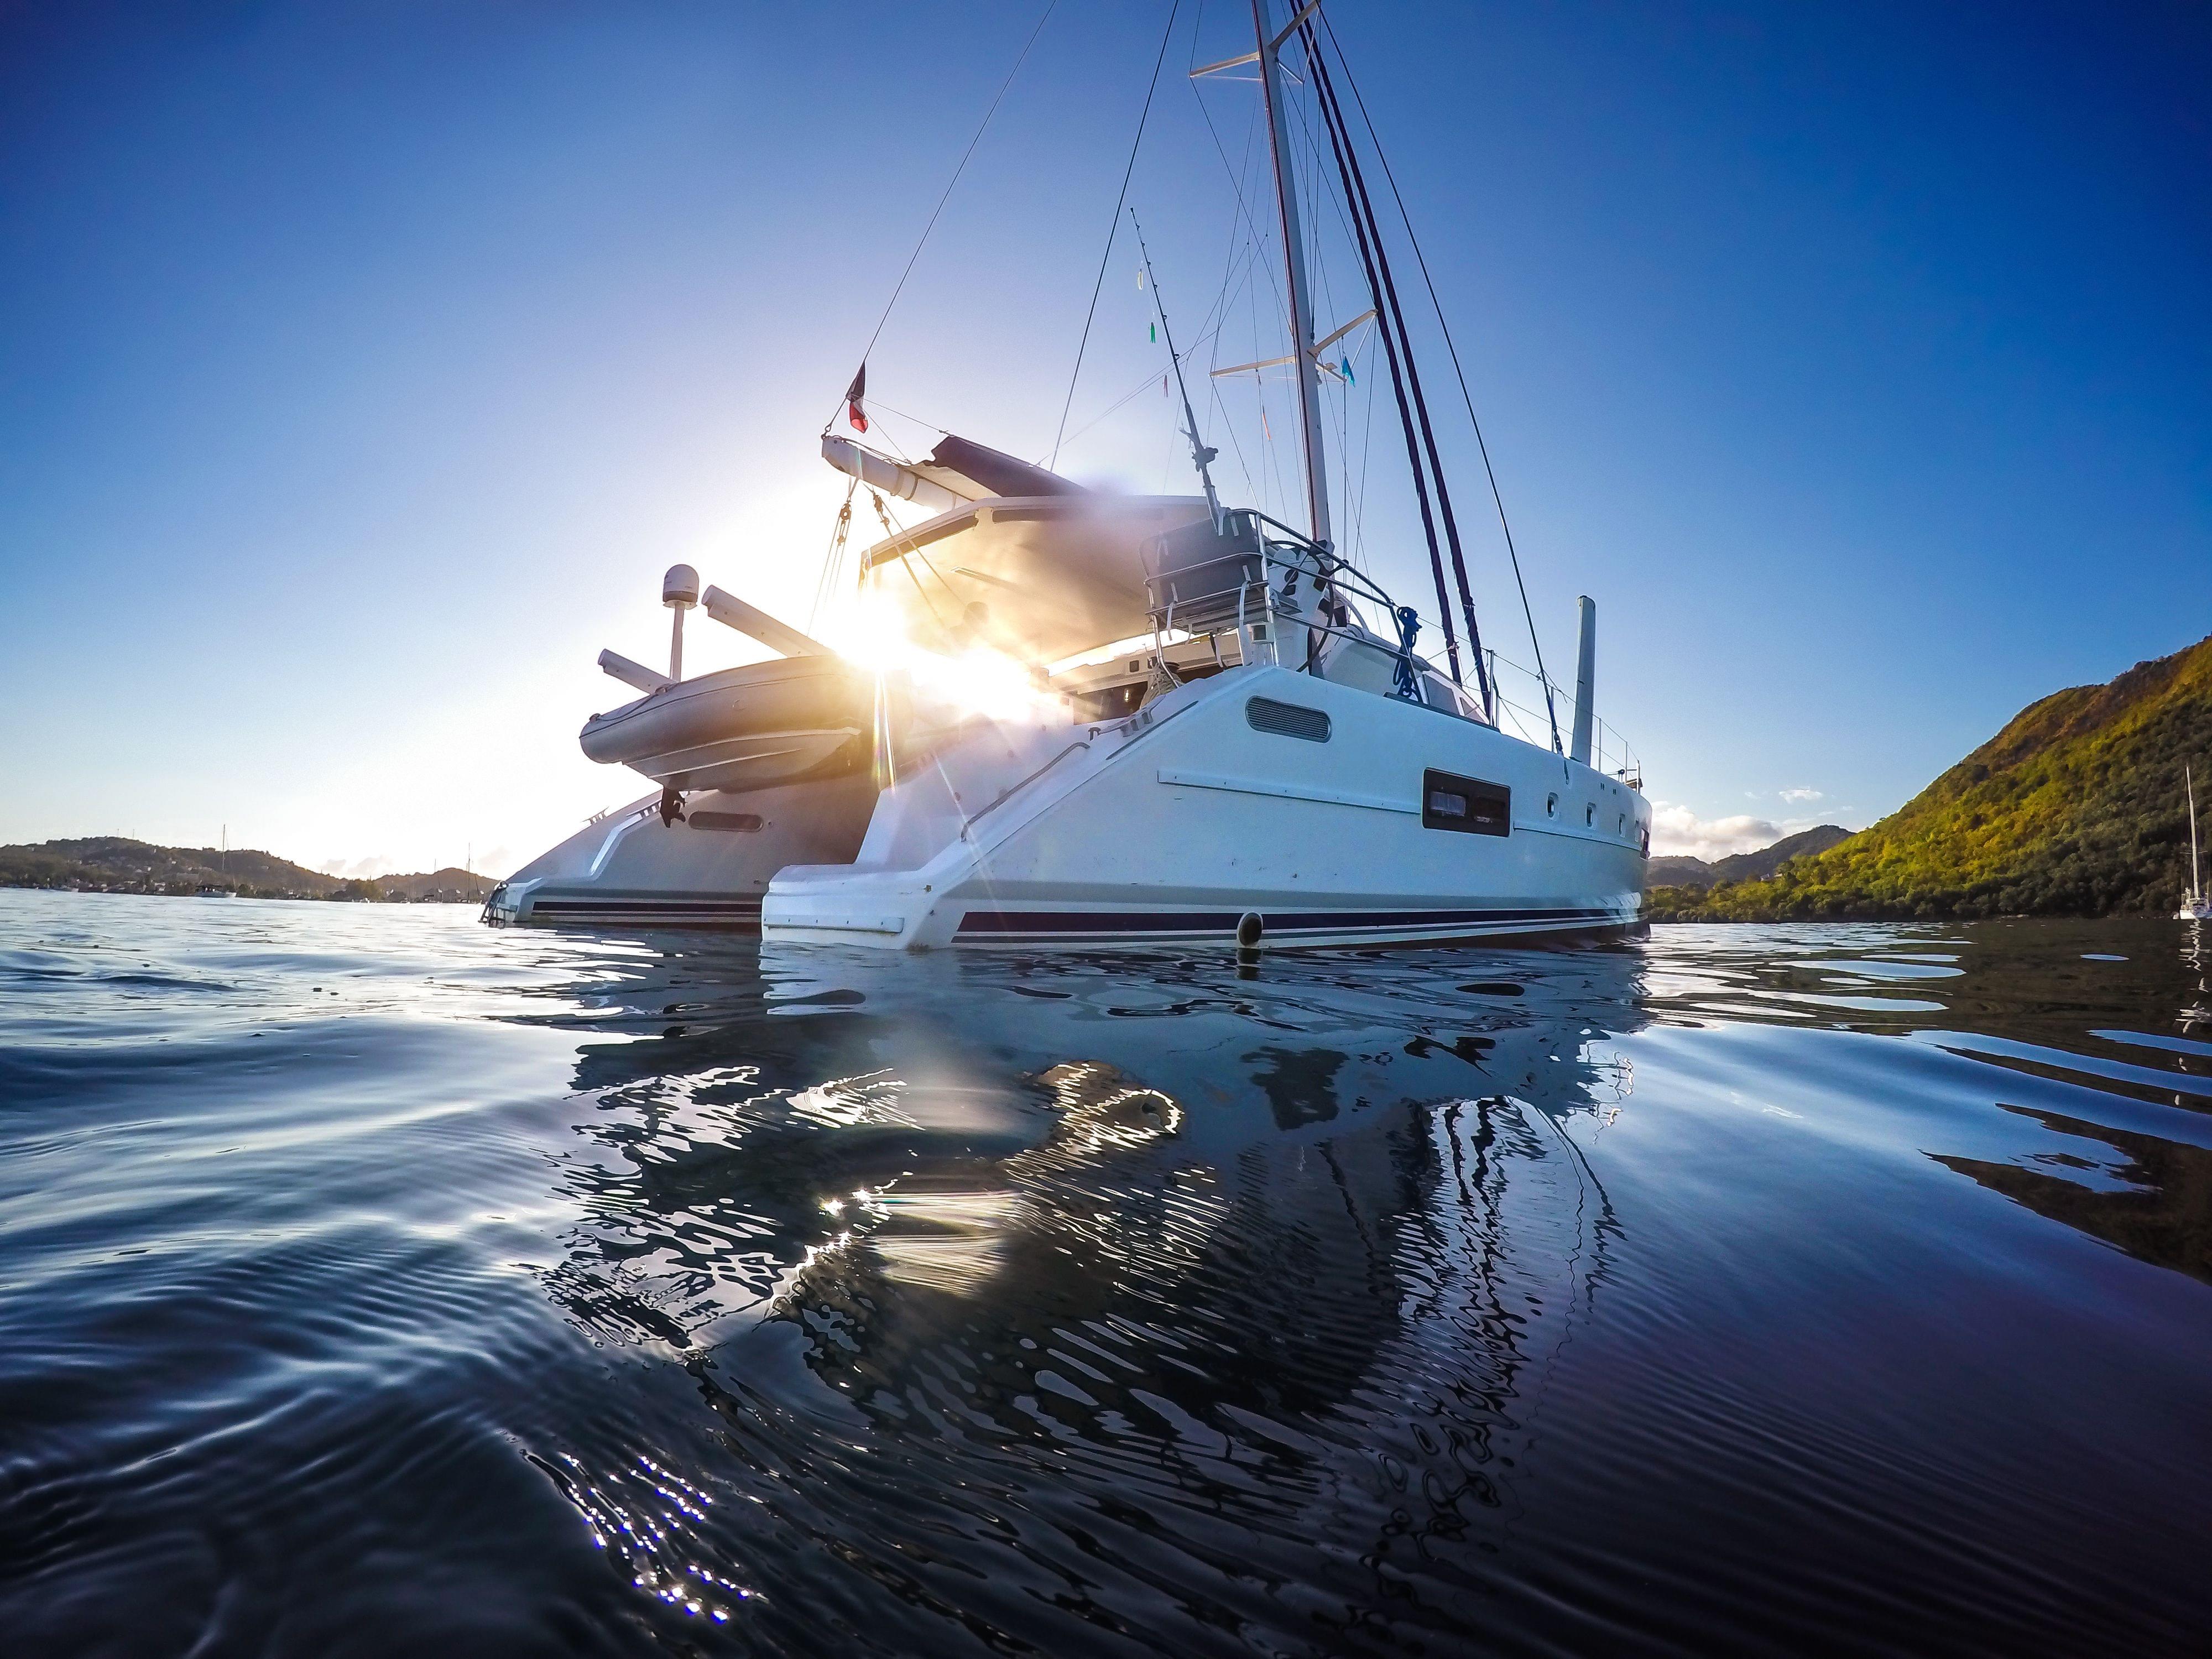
<point x="679" y="592"/>
<point x="1199" y="454"/>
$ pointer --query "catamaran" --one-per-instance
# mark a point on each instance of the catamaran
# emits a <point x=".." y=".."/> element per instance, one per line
<point x="1089" y="719"/>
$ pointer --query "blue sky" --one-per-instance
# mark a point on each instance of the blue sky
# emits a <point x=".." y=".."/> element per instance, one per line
<point x="362" y="366"/>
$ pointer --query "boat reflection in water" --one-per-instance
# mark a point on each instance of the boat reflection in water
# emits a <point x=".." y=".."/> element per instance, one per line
<point x="1211" y="1309"/>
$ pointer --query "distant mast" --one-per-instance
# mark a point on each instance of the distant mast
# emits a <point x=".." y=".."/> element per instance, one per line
<point x="1294" y="265"/>
<point x="2196" y="881"/>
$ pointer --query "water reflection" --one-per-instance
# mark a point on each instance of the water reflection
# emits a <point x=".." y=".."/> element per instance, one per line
<point x="379" y="1285"/>
<point x="1184" y="1297"/>
<point x="2152" y="1197"/>
<point x="2029" y="1002"/>
<point x="1185" y="1300"/>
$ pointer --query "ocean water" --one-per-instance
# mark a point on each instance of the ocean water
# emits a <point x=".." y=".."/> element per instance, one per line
<point x="373" y="1282"/>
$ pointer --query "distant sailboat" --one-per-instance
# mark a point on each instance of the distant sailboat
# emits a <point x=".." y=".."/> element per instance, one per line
<point x="2195" y="905"/>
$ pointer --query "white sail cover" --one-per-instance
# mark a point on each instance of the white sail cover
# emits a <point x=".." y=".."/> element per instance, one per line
<point x="1038" y="577"/>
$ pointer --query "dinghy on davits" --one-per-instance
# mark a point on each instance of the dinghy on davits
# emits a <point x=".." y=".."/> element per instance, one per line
<point x="766" y="722"/>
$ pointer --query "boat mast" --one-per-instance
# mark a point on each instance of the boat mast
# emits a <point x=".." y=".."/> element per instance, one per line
<point x="2196" y="881"/>
<point x="1302" y="334"/>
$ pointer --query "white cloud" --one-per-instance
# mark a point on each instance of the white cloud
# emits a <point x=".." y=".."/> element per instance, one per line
<point x="1677" y="830"/>
<point x="1795" y="796"/>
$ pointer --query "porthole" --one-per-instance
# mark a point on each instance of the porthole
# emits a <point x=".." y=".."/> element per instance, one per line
<point x="1590" y="816"/>
<point x="1551" y="804"/>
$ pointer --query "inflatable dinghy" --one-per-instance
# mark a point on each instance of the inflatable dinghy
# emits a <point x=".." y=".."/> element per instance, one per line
<point x="766" y="722"/>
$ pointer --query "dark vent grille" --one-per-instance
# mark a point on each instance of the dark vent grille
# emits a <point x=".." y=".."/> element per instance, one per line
<point x="745" y="823"/>
<point x="1286" y="720"/>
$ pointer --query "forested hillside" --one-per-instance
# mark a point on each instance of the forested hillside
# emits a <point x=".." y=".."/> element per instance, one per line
<point x="2075" y="808"/>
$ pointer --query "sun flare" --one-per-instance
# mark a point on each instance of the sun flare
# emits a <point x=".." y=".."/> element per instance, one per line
<point x="981" y="680"/>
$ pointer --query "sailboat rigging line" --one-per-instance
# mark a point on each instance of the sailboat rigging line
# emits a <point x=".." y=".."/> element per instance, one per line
<point x="1216" y="315"/>
<point x="1121" y="402"/>
<point x="833" y="560"/>
<point x="965" y="156"/>
<point x="1229" y="426"/>
<point x="1404" y="413"/>
<point x="1362" y="209"/>
<point x="1113" y="226"/>
<point x="1236" y="189"/>
<point x="1489" y="472"/>
<point x="1366" y="452"/>
<point x="893" y="531"/>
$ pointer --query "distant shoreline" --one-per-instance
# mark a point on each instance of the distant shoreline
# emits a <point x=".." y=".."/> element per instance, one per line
<point x="236" y="893"/>
<point x="117" y="864"/>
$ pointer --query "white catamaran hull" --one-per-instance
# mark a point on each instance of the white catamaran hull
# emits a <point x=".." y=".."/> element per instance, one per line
<point x="1204" y="810"/>
<point x="709" y="868"/>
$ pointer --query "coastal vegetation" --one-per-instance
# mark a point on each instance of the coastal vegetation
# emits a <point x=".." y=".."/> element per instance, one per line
<point x="2075" y="808"/>
<point x="115" y="864"/>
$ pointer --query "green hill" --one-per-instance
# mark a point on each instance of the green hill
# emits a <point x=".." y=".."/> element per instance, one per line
<point x="1678" y="870"/>
<point x="2075" y="808"/>
<point x="114" y="864"/>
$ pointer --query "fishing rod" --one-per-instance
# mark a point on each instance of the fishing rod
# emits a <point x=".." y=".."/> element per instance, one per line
<point x="1200" y="455"/>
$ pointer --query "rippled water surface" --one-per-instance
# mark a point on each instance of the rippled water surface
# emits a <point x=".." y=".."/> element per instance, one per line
<point x="371" y="1282"/>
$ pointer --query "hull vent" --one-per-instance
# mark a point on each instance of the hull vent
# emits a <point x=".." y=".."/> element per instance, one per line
<point x="1286" y="720"/>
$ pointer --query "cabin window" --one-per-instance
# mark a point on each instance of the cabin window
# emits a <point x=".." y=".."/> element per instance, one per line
<point x="1286" y="720"/>
<point x="1110" y="703"/>
<point x="1466" y="805"/>
<point x="1551" y="804"/>
<point x="748" y="823"/>
<point x="1590" y="816"/>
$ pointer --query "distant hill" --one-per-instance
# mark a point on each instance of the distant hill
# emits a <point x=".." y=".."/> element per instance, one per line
<point x="113" y="864"/>
<point x="1678" y="871"/>
<point x="2075" y="808"/>
<point x="452" y="885"/>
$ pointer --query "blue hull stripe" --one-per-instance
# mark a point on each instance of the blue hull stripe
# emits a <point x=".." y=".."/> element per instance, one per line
<point x="1307" y="921"/>
<point x="1097" y="923"/>
<point x="737" y="909"/>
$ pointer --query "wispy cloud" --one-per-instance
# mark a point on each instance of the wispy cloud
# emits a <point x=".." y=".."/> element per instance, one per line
<point x="1794" y="797"/>
<point x="359" y="869"/>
